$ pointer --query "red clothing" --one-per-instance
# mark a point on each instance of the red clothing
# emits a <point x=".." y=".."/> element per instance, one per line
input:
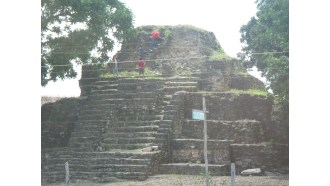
<point x="155" y="35"/>
<point x="141" y="64"/>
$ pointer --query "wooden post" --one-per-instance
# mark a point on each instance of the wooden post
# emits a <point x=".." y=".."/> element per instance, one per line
<point x="233" y="174"/>
<point x="205" y="144"/>
<point x="67" y="174"/>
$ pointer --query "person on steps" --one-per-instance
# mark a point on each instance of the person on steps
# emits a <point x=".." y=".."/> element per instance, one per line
<point x="141" y="65"/>
<point x="154" y="38"/>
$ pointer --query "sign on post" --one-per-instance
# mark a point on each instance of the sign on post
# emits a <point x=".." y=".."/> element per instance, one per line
<point x="198" y="114"/>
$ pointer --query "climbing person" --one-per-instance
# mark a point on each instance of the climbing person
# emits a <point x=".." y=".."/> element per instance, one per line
<point x="141" y="65"/>
<point x="115" y="68"/>
<point x="141" y="52"/>
<point x="155" y="36"/>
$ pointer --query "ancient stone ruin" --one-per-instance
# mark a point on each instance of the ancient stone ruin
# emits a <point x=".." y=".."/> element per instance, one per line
<point x="130" y="127"/>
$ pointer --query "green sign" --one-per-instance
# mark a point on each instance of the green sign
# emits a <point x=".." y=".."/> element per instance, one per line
<point x="198" y="114"/>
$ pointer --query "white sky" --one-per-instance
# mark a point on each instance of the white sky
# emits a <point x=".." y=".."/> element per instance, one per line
<point x="222" y="17"/>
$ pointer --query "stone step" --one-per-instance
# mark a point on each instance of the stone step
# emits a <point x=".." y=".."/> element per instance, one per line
<point x="105" y="87"/>
<point x="128" y="95"/>
<point x="124" y="101"/>
<point x="132" y="140"/>
<point x="90" y="112"/>
<point x="182" y="79"/>
<point x="134" y="128"/>
<point x="106" y="82"/>
<point x="172" y="90"/>
<point x="94" y="116"/>
<point x="103" y="96"/>
<point x="129" y="134"/>
<point x="125" y="95"/>
<point x="97" y="167"/>
<point x="91" y="123"/>
<point x="138" y="117"/>
<point x="168" y="116"/>
<point x="245" y="131"/>
<point x="171" y="107"/>
<point x="128" y="146"/>
<point x="62" y="150"/>
<point x="86" y="145"/>
<point x="199" y="144"/>
<point x="81" y="133"/>
<point x="167" y="97"/>
<point x="107" y="160"/>
<point x="178" y="83"/>
<point x="123" y="106"/>
<point x="164" y="130"/>
<point x="84" y="139"/>
<point x="170" y="112"/>
<point x="132" y="175"/>
<point x="59" y="176"/>
<point x="106" y="91"/>
<point x="110" y="153"/>
<point x="131" y="123"/>
<point x="194" y="169"/>
<point x="161" y="136"/>
<point x="185" y="150"/>
<point x="86" y="128"/>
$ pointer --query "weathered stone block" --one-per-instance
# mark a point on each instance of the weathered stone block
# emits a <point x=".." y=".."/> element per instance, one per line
<point x="264" y="156"/>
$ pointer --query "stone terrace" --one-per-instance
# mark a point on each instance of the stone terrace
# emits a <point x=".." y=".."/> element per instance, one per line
<point x="117" y="125"/>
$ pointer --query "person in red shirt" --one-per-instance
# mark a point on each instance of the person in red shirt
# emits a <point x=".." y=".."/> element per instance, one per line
<point x="154" y="39"/>
<point x="141" y="67"/>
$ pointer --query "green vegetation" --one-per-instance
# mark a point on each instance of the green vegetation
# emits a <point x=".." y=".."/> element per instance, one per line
<point x="250" y="91"/>
<point x="266" y="39"/>
<point x="132" y="146"/>
<point x="166" y="31"/>
<point x="220" y="55"/>
<point x="62" y="43"/>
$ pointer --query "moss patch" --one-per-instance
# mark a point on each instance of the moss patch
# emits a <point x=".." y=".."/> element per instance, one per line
<point x="250" y="91"/>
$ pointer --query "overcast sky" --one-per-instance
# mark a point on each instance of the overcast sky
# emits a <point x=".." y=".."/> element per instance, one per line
<point x="222" y="17"/>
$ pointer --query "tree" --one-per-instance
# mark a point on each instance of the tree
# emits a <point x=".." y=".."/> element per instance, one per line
<point x="81" y="31"/>
<point x="266" y="39"/>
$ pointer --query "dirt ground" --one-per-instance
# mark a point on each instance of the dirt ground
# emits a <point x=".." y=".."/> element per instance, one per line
<point x="187" y="180"/>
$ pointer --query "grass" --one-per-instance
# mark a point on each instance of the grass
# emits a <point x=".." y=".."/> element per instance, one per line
<point x="250" y="91"/>
<point x="132" y="146"/>
<point x="220" y="55"/>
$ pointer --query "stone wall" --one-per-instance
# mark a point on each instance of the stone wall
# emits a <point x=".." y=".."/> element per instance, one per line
<point x="192" y="150"/>
<point x="229" y="106"/>
<point x="57" y="121"/>
<point x="241" y="131"/>
<point x="244" y="82"/>
<point x="268" y="157"/>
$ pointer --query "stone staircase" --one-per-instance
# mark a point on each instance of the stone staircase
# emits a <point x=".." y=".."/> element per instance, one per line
<point x="119" y="122"/>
